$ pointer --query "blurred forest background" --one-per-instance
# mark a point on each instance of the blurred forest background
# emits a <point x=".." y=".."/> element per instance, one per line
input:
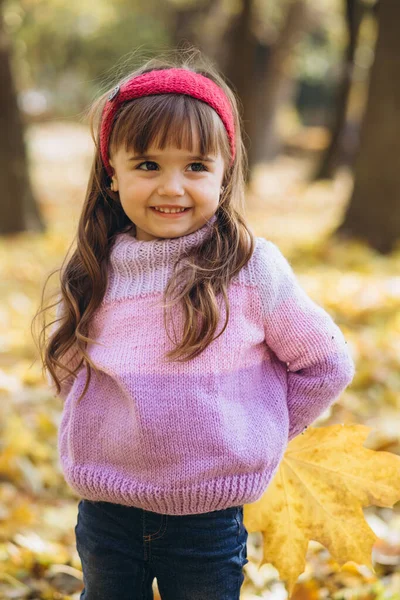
<point x="320" y="91"/>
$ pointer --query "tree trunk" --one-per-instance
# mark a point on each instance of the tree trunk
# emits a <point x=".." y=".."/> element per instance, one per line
<point x="333" y="156"/>
<point x="273" y="85"/>
<point x="374" y="211"/>
<point x="261" y="77"/>
<point x="240" y="64"/>
<point x="18" y="209"/>
<point x="200" y="25"/>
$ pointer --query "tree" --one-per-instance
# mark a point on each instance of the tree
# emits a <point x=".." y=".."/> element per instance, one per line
<point x="354" y="14"/>
<point x="260" y="71"/>
<point x="18" y="209"/>
<point x="374" y="210"/>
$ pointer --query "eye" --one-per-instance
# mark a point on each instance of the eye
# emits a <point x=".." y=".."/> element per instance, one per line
<point x="198" y="164"/>
<point x="150" y="162"/>
<point x="147" y="162"/>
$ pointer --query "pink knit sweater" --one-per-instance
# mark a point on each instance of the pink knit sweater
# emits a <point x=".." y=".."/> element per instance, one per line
<point x="183" y="438"/>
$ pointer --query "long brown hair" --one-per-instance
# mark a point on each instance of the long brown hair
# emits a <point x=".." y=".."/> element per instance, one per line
<point x="204" y="273"/>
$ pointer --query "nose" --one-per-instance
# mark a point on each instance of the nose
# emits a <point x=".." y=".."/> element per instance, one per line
<point x="171" y="185"/>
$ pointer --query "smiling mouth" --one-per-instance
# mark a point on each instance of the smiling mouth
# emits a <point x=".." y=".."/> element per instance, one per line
<point x="170" y="214"/>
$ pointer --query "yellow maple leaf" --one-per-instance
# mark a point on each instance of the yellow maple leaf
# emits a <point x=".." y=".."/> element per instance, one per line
<point x="324" y="479"/>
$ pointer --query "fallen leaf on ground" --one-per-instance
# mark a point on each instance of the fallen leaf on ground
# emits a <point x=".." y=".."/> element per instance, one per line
<point x="325" y="478"/>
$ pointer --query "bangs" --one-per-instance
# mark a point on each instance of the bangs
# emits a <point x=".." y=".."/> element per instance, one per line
<point x="169" y="119"/>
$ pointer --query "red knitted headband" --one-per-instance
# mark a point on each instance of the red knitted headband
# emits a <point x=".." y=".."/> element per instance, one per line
<point x="166" y="81"/>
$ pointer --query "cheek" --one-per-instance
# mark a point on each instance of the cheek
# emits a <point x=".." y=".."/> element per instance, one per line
<point x="209" y="189"/>
<point x="135" y="186"/>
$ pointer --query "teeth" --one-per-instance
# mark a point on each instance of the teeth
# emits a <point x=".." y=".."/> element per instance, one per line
<point x="170" y="210"/>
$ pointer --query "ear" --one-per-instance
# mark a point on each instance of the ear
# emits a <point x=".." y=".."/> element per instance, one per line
<point x="112" y="165"/>
<point x="114" y="181"/>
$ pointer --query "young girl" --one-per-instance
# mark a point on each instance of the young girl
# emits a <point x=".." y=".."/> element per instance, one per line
<point x="192" y="354"/>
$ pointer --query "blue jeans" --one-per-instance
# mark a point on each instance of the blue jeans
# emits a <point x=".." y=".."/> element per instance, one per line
<point x="193" y="557"/>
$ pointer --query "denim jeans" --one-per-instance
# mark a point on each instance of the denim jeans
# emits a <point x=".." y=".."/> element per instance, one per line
<point x="193" y="557"/>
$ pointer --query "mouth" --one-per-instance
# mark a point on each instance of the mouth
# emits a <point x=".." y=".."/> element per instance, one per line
<point x="170" y="215"/>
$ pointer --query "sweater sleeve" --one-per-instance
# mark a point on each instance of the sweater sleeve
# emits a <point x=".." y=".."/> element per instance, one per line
<point x="304" y="336"/>
<point x="70" y="359"/>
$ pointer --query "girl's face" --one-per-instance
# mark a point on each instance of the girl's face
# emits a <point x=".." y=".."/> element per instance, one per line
<point x="171" y="177"/>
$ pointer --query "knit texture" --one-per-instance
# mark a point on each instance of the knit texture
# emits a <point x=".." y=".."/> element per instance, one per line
<point x="208" y="434"/>
<point x="166" y="81"/>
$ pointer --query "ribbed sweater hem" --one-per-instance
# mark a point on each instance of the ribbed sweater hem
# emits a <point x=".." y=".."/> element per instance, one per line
<point x="216" y="494"/>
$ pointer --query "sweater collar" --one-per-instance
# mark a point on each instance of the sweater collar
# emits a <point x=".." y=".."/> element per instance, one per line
<point x="162" y="250"/>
